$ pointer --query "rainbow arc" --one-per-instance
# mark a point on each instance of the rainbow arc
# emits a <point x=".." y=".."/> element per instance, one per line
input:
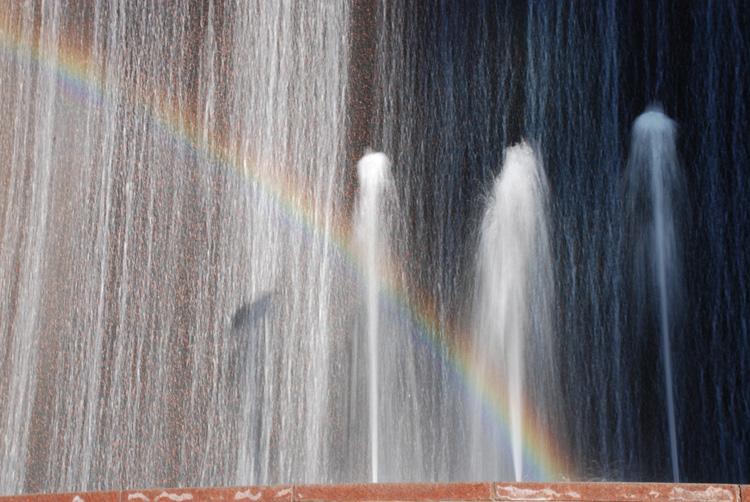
<point x="83" y="80"/>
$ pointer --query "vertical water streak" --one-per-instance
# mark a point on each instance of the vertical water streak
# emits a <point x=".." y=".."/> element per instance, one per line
<point x="716" y="160"/>
<point x="287" y="105"/>
<point x="24" y="265"/>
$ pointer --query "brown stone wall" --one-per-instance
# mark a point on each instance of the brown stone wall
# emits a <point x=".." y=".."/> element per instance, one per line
<point x="420" y="492"/>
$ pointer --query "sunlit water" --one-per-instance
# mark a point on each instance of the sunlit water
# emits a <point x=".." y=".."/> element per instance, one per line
<point x="184" y="299"/>
<point x="374" y="180"/>
<point x="515" y="293"/>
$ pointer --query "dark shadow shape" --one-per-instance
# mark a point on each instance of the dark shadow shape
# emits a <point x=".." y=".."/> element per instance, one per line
<point x="252" y="312"/>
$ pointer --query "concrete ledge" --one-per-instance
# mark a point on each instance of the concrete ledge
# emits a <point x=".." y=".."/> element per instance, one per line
<point x="418" y="492"/>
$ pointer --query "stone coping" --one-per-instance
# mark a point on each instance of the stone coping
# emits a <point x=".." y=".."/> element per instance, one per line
<point x="418" y="492"/>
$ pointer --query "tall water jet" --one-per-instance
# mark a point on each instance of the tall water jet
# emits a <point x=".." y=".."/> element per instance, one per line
<point x="397" y="406"/>
<point x="374" y="177"/>
<point x="654" y="193"/>
<point x="515" y="291"/>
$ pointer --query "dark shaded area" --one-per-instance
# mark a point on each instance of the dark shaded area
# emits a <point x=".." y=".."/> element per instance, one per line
<point x="251" y="313"/>
<point x="465" y="81"/>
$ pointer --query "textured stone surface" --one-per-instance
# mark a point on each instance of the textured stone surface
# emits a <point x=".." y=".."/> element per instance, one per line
<point x="248" y="494"/>
<point x="395" y="491"/>
<point x="113" y="496"/>
<point x="611" y="492"/>
<point x="745" y="493"/>
<point x="419" y="492"/>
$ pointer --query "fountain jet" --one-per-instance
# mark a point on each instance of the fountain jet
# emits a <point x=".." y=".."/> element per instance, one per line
<point x="654" y="184"/>
<point x="515" y="286"/>
<point x="374" y="175"/>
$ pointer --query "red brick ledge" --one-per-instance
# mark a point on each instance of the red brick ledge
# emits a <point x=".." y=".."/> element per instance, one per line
<point x="419" y="492"/>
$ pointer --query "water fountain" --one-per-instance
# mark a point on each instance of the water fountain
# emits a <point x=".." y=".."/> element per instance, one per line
<point x="514" y="278"/>
<point x="654" y="200"/>
<point x="181" y="280"/>
<point x="374" y="180"/>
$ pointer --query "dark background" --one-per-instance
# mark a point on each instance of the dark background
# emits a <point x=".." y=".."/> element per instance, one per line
<point x="456" y="82"/>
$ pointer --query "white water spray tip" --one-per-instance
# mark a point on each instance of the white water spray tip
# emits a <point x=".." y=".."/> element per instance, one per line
<point x="653" y="120"/>
<point x="373" y="168"/>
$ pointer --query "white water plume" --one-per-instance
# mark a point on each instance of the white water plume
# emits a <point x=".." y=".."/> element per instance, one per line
<point x="654" y="182"/>
<point x="514" y="291"/>
<point x="374" y="177"/>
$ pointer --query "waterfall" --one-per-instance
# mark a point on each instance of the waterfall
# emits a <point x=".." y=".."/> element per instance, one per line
<point x="149" y="213"/>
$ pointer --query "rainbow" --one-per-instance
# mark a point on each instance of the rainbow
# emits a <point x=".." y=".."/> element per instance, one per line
<point x="82" y="79"/>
